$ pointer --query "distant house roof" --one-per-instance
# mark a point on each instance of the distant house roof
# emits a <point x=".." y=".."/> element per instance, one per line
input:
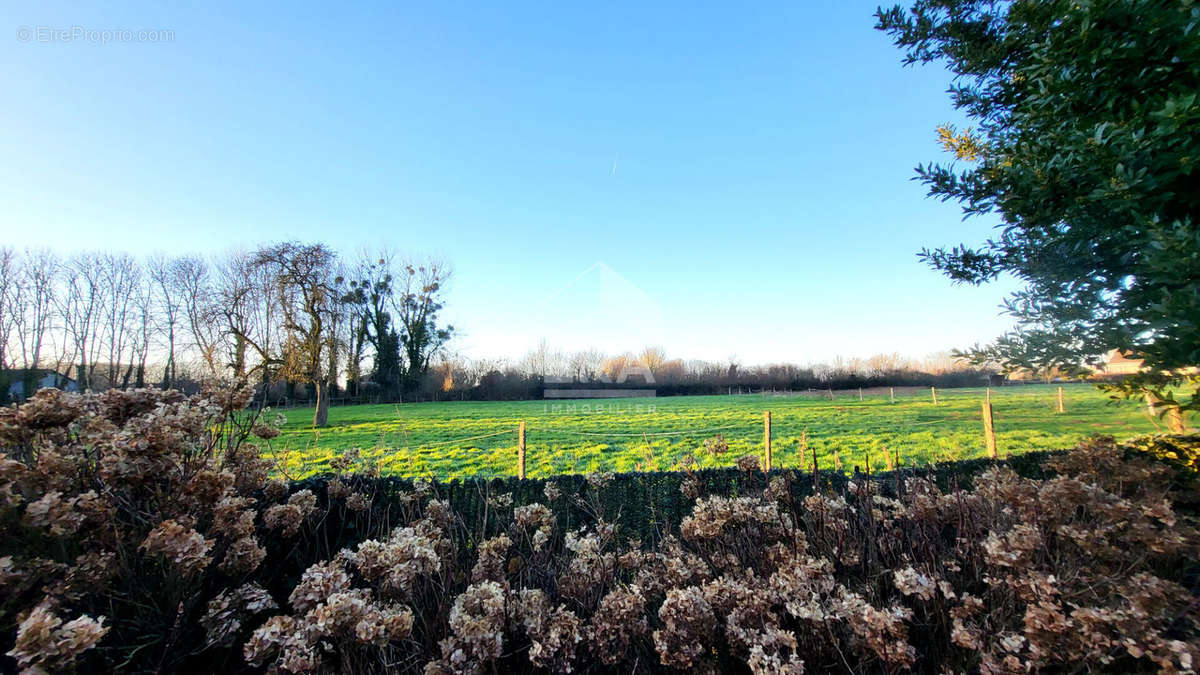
<point x="1123" y="362"/>
<point x="1120" y="362"/>
<point x="1119" y="356"/>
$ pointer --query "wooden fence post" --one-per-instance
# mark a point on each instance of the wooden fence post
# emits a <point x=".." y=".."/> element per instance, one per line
<point x="892" y="393"/>
<point x="521" y="450"/>
<point x="989" y="394"/>
<point x="1061" y="407"/>
<point x="860" y="394"/>
<point x="767" y="437"/>
<point x="933" y="392"/>
<point x="989" y="430"/>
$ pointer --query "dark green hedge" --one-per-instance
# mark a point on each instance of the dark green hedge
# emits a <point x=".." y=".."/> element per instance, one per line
<point x="645" y="505"/>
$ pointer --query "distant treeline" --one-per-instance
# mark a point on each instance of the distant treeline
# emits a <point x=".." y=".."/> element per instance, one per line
<point x="294" y="317"/>
<point x="481" y="380"/>
<point x="498" y="386"/>
<point x="310" y="326"/>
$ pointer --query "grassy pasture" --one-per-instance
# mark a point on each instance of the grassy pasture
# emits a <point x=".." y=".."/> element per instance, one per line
<point x="459" y="439"/>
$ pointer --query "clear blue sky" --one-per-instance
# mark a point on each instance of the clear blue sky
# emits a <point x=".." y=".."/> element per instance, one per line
<point x="743" y="170"/>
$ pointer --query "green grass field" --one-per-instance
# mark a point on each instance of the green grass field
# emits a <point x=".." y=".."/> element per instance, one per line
<point x="459" y="439"/>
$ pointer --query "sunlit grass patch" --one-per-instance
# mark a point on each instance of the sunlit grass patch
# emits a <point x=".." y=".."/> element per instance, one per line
<point x="427" y="439"/>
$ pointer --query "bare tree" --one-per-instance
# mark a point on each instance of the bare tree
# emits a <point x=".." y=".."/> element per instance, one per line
<point x="264" y="319"/>
<point x="539" y="362"/>
<point x="244" y="309"/>
<point x="80" y="307"/>
<point x="584" y="366"/>
<point x="141" y="331"/>
<point x="10" y="304"/>
<point x="309" y="300"/>
<point x="336" y="344"/>
<point x="167" y="314"/>
<point x="884" y="364"/>
<point x="653" y="358"/>
<point x="354" y="337"/>
<point x="110" y="318"/>
<point x="613" y="366"/>
<point x="38" y="276"/>
<point x="234" y="302"/>
<point x="118" y="300"/>
<point x="193" y="285"/>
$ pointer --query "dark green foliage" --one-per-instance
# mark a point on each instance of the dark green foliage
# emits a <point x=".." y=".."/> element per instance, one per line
<point x="1040" y="353"/>
<point x="388" y="362"/>
<point x="650" y="505"/>
<point x="1086" y="146"/>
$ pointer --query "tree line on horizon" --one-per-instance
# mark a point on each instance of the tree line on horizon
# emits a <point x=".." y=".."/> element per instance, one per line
<point x="289" y="313"/>
<point x="308" y="325"/>
<point x="547" y="367"/>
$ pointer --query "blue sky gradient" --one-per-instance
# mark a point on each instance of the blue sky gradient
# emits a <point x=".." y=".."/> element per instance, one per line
<point x="746" y="168"/>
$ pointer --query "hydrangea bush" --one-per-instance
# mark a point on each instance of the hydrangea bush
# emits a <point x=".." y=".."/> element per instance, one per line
<point x="142" y="531"/>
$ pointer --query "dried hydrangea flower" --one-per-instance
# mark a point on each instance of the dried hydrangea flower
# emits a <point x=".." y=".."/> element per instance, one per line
<point x="317" y="583"/>
<point x="911" y="582"/>
<point x="394" y="564"/>
<point x="243" y="556"/>
<point x="336" y="489"/>
<point x="44" y="643"/>
<point x="502" y="500"/>
<point x="57" y="515"/>
<point x="183" y="546"/>
<point x="358" y="501"/>
<point x="234" y="516"/>
<point x="688" y="625"/>
<point x="265" y="431"/>
<point x="290" y="516"/>
<point x="492" y="559"/>
<point x="748" y="463"/>
<point x="619" y="620"/>
<point x="227" y="612"/>
<point x="477" y="621"/>
<point x="275" y="489"/>
<point x="268" y="639"/>
<point x="598" y="480"/>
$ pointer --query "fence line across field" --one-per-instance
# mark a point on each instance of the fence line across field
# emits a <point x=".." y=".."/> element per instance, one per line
<point x="299" y="402"/>
<point x="986" y="416"/>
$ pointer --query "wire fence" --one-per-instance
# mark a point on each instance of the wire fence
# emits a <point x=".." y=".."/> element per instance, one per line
<point x="874" y="433"/>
